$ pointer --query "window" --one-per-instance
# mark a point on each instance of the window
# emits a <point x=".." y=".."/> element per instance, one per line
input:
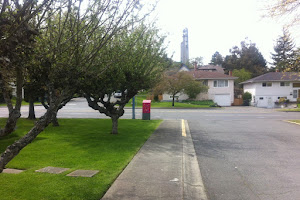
<point x="296" y="84"/>
<point x="205" y="82"/>
<point x="221" y="83"/>
<point x="282" y="84"/>
<point x="268" y="84"/>
<point x="295" y="94"/>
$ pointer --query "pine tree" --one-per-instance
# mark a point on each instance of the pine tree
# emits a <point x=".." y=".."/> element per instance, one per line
<point x="246" y="57"/>
<point x="216" y="59"/>
<point x="284" y="52"/>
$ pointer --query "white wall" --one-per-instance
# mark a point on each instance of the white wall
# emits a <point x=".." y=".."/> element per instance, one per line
<point x="221" y="90"/>
<point x="263" y="94"/>
<point x="210" y="93"/>
<point x="181" y="96"/>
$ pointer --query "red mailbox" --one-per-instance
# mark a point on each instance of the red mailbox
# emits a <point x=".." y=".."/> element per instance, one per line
<point x="146" y="109"/>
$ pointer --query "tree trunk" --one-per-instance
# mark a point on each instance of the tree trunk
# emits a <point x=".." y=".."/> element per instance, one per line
<point x="31" y="114"/>
<point x="54" y="119"/>
<point x="114" y="120"/>
<point x="14" y="149"/>
<point x="14" y="113"/>
<point x="11" y="123"/>
<point x="173" y="100"/>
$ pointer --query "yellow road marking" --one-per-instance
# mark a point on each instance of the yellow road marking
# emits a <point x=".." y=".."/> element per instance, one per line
<point x="183" y="128"/>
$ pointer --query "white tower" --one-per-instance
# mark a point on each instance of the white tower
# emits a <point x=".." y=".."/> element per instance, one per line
<point x="185" y="47"/>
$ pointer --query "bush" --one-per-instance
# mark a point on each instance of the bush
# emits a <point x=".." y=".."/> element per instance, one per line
<point x="193" y="88"/>
<point x="214" y="105"/>
<point x="201" y="102"/>
<point x="247" y="96"/>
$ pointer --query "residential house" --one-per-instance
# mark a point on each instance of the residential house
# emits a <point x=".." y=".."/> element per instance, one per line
<point x="221" y="86"/>
<point x="268" y="88"/>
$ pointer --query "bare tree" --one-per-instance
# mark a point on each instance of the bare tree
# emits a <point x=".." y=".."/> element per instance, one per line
<point x="285" y="8"/>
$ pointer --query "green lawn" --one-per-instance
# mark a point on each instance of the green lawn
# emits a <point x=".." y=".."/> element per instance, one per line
<point x="24" y="103"/>
<point x="291" y="109"/>
<point x="76" y="144"/>
<point x="297" y="121"/>
<point x="187" y="104"/>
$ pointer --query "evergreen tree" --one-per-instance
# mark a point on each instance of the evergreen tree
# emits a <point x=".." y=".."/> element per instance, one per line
<point x="295" y="67"/>
<point x="216" y="59"/>
<point x="284" y="52"/>
<point x="251" y="59"/>
<point x="246" y="57"/>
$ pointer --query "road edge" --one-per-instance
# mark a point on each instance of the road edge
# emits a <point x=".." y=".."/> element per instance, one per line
<point x="193" y="186"/>
<point x="291" y="122"/>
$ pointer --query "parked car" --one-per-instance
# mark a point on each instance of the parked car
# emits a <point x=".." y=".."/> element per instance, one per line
<point x="118" y="94"/>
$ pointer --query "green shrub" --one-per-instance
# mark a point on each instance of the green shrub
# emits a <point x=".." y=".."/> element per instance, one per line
<point x="214" y="105"/>
<point x="247" y="96"/>
<point x="201" y="102"/>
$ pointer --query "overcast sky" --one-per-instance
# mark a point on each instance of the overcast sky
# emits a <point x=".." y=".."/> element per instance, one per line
<point x="216" y="25"/>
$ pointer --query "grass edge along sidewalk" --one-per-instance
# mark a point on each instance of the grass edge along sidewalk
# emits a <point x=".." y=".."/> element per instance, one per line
<point x="76" y="144"/>
<point x="168" y="104"/>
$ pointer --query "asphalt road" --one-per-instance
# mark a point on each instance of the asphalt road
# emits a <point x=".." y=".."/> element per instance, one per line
<point x="244" y="153"/>
<point x="245" y="157"/>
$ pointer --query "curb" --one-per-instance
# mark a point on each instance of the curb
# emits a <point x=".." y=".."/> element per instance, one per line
<point x="183" y="108"/>
<point x="193" y="187"/>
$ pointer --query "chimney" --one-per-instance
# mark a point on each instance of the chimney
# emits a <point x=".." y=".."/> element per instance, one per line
<point x="230" y="73"/>
<point x="195" y="66"/>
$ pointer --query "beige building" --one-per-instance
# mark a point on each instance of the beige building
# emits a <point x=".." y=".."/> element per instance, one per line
<point x="221" y="86"/>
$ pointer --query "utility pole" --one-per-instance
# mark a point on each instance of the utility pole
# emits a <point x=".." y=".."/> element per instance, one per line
<point x="133" y="107"/>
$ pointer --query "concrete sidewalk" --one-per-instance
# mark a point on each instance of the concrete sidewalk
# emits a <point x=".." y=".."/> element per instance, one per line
<point x="166" y="167"/>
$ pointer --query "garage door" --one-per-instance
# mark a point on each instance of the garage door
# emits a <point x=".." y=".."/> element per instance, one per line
<point x="222" y="99"/>
<point x="265" y="102"/>
<point x="262" y="102"/>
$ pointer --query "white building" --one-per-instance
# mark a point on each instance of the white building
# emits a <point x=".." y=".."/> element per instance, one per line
<point x="220" y="87"/>
<point x="268" y="88"/>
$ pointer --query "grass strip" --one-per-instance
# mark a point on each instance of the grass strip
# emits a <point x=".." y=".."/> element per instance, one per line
<point x="163" y="104"/>
<point x="296" y="121"/>
<point x="77" y="144"/>
<point x="290" y="110"/>
<point x="24" y="103"/>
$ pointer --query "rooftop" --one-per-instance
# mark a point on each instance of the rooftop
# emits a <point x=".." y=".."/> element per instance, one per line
<point x="204" y="75"/>
<point x="211" y="68"/>
<point x="275" y="76"/>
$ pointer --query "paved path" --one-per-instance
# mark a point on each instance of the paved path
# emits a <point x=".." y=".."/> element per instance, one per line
<point x="165" y="168"/>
